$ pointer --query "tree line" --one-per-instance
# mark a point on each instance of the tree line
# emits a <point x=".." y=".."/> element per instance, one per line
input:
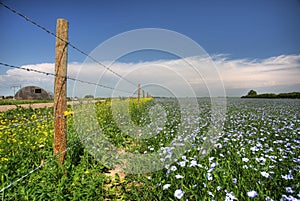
<point x="291" y="95"/>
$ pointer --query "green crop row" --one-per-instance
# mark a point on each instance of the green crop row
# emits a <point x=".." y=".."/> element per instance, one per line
<point x="255" y="156"/>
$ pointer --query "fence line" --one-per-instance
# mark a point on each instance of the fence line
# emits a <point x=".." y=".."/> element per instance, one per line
<point x="48" y="118"/>
<point x="68" y="42"/>
<point x="67" y="77"/>
<point x="24" y="176"/>
<point x="48" y="161"/>
<point x="55" y="156"/>
<point x="44" y="119"/>
<point x="15" y="125"/>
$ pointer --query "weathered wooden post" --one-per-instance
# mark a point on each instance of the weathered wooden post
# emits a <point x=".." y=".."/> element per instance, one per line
<point x="143" y="94"/>
<point x="139" y="94"/>
<point x="60" y="88"/>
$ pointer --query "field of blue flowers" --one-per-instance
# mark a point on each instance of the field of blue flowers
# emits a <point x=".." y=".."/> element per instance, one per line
<point x="256" y="156"/>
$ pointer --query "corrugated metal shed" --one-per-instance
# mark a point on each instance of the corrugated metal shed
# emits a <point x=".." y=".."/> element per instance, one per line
<point x="33" y="93"/>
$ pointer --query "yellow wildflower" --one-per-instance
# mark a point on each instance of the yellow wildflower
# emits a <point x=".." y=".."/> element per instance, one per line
<point x="67" y="113"/>
<point x="4" y="159"/>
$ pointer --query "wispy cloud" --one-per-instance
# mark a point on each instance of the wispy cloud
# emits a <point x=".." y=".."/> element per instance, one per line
<point x="182" y="77"/>
<point x="270" y="72"/>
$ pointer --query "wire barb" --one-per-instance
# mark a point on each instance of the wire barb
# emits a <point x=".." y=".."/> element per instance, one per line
<point x="48" y="161"/>
<point x="66" y="77"/>
<point x="15" y="125"/>
<point x="69" y="43"/>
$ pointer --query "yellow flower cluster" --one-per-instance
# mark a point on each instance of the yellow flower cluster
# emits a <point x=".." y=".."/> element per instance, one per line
<point x="22" y="130"/>
<point x="67" y="113"/>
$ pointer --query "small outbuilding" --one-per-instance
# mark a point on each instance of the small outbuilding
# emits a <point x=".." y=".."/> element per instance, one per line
<point x="33" y="93"/>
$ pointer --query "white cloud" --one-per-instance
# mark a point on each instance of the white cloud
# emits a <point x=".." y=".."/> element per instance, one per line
<point x="270" y="72"/>
<point x="182" y="77"/>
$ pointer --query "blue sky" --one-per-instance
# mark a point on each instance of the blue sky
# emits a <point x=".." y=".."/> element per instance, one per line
<point x="242" y="30"/>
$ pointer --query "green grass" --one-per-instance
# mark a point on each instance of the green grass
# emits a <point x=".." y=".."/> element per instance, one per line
<point x="258" y="150"/>
<point x="19" y="102"/>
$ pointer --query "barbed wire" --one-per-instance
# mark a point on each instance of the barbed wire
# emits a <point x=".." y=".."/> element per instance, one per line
<point x="15" y="125"/>
<point x="68" y="42"/>
<point x="49" y="160"/>
<point x="66" y="77"/>
<point x="55" y="156"/>
<point x="24" y="176"/>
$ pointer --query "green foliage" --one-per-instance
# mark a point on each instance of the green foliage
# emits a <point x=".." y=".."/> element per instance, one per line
<point x="89" y="96"/>
<point x="252" y="93"/>
<point x="19" y="102"/>
<point x="291" y="95"/>
<point x="257" y="150"/>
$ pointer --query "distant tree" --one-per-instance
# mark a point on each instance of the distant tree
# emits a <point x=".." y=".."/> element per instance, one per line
<point x="89" y="96"/>
<point x="9" y="97"/>
<point x="252" y="93"/>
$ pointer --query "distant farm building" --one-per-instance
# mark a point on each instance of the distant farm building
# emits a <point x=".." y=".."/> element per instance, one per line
<point x="33" y="93"/>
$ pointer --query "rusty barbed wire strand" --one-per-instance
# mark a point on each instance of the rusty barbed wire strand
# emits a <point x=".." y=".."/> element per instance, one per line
<point x="46" y="162"/>
<point x="68" y="42"/>
<point x="67" y="77"/>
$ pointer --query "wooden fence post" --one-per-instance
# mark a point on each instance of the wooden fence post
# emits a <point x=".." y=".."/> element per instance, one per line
<point x="139" y="94"/>
<point x="60" y="88"/>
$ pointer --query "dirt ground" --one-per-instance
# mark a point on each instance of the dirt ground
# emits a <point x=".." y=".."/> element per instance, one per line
<point x="4" y="108"/>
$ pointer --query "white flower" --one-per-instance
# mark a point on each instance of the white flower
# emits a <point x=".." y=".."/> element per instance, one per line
<point x="245" y="159"/>
<point x="178" y="176"/>
<point x="211" y="159"/>
<point x="166" y="186"/>
<point x="178" y="193"/>
<point x="265" y="174"/>
<point x="253" y="149"/>
<point x="289" y="190"/>
<point x="173" y="168"/>
<point x="182" y="163"/>
<point x="210" y="193"/>
<point x="245" y="166"/>
<point x="252" y="194"/>
<point x="288" y="198"/>
<point x="269" y="199"/>
<point x="230" y="197"/>
<point x="287" y="177"/>
<point x="219" y="188"/>
<point x="261" y="159"/>
<point x="210" y="170"/>
<point x="209" y="176"/>
<point x="213" y="165"/>
<point x="234" y="180"/>
<point x="193" y="163"/>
